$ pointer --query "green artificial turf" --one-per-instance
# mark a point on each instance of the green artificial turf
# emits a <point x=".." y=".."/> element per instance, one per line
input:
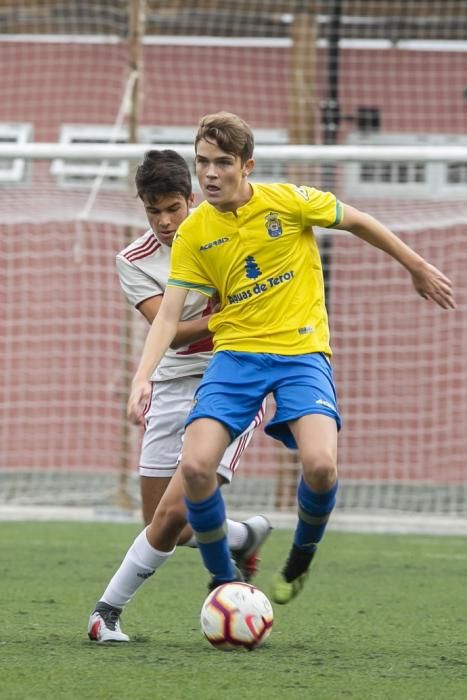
<point x="381" y="617"/>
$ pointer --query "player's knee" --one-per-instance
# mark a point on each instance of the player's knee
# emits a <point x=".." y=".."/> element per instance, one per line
<point x="196" y="472"/>
<point x="320" y="470"/>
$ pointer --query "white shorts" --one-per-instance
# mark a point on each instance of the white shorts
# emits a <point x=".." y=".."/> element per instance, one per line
<point x="165" y="417"/>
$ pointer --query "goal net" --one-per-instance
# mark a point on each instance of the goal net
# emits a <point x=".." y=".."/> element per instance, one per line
<point x="364" y="98"/>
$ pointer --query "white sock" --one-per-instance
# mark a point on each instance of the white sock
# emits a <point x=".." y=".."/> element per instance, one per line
<point x="140" y="562"/>
<point x="237" y="534"/>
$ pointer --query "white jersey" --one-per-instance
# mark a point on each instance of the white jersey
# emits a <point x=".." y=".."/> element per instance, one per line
<point x="143" y="269"/>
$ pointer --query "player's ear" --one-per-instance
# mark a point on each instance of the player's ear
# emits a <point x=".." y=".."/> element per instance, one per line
<point x="248" y="167"/>
<point x="191" y="200"/>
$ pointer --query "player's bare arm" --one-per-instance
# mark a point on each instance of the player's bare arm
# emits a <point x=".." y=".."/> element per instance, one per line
<point x="428" y="281"/>
<point x="160" y="335"/>
<point x="149" y="308"/>
<point x="187" y="331"/>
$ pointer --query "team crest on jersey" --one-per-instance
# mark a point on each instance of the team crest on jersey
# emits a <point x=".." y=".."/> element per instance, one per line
<point x="273" y="224"/>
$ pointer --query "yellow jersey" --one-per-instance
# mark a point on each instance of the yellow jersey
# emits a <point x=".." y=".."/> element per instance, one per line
<point x="265" y="265"/>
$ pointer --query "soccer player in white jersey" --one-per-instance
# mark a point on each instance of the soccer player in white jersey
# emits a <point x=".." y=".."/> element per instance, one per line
<point x="254" y="245"/>
<point x="163" y="183"/>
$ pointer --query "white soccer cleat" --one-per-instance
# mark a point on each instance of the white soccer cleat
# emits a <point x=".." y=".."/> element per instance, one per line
<point x="104" y="625"/>
<point x="247" y="559"/>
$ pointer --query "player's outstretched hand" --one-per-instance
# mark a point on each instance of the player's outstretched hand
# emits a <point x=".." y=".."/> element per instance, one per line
<point x="139" y="397"/>
<point x="430" y="283"/>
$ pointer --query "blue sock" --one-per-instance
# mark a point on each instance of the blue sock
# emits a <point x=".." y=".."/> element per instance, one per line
<point x="314" y="510"/>
<point x="207" y="518"/>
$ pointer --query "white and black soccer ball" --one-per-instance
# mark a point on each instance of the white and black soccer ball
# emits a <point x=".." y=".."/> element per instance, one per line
<point x="236" y="616"/>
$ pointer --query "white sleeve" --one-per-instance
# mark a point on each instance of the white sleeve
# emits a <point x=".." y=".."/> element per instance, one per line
<point x="136" y="284"/>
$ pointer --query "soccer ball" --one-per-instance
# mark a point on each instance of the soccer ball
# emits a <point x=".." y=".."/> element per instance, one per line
<point x="236" y="616"/>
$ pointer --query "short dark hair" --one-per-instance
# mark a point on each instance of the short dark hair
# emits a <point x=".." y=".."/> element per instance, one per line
<point x="231" y="133"/>
<point x="163" y="173"/>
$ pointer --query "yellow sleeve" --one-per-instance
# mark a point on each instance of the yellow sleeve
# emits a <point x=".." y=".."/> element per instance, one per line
<point x="185" y="267"/>
<point x="318" y="208"/>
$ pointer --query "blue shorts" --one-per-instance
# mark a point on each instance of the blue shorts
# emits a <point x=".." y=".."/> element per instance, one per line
<point x="235" y="384"/>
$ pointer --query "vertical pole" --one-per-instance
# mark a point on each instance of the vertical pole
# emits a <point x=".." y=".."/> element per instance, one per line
<point x="330" y="122"/>
<point x="301" y="128"/>
<point x="137" y="14"/>
<point x="136" y="18"/>
<point x="302" y="102"/>
<point x="302" y="98"/>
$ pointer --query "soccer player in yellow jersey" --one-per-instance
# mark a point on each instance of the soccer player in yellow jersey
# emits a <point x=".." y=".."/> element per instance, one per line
<point x="254" y="246"/>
